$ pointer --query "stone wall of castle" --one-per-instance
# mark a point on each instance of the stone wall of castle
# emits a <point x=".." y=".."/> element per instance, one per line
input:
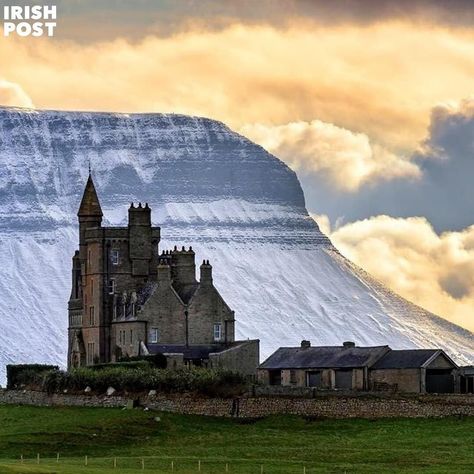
<point x="242" y="357"/>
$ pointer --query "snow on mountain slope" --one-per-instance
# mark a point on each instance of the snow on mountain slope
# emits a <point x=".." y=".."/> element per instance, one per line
<point x="208" y="187"/>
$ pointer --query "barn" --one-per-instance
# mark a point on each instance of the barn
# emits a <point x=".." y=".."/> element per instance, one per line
<point x="415" y="370"/>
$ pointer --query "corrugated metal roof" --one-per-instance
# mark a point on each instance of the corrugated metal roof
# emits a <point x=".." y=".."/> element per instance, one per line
<point x="323" y="357"/>
<point x="405" y="359"/>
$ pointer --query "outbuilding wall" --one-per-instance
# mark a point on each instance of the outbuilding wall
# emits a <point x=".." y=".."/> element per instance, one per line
<point x="403" y="380"/>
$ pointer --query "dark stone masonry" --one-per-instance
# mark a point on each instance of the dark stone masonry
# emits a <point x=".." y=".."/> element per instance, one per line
<point x="329" y="406"/>
<point x="128" y="299"/>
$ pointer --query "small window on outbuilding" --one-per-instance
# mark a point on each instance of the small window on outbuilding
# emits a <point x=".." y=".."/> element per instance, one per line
<point x="217" y="332"/>
<point x="111" y="286"/>
<point x="274" y="377"/>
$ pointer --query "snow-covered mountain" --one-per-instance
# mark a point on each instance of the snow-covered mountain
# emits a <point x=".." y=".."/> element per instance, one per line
<point x="208" y="187"/>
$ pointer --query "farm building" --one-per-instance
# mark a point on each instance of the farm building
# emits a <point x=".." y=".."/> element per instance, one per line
<point x="329" y="367"/>
<point x="349" y="367"/>
<point x="467" y="379"/>
<point x="416" y="370"/>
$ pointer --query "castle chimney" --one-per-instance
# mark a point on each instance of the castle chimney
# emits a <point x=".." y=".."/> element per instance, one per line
<point x="183" y="267"/>
<point x="206" y="273"/>
<point x="163" y="273"/>
<point x="305" y="344"/>
<point x="348" y="344"/>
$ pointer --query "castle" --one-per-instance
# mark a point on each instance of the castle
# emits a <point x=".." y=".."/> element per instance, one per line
<point x="128" y="299"/>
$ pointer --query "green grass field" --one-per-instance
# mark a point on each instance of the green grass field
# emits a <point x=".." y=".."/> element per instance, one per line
<point x="282" y="445"/>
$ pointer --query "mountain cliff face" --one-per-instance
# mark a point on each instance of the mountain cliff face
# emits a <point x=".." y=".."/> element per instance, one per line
<point x="208" y="187"/>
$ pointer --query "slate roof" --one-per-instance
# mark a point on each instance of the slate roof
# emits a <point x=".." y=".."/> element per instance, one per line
<point x="323" y="357"/>
<point x="190" y="352"/>
<point x="406" y="359"/>
<point x="467" y="370"/>
<point x="90" y="205"/>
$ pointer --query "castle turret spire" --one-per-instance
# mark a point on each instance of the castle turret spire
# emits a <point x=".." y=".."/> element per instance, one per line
<point x="90" y="205"/>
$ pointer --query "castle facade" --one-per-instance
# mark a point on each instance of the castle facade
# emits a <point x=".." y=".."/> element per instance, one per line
<point x="129" y="299"/>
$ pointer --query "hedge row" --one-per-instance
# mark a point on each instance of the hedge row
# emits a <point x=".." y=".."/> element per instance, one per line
<point x="27" y="374"/>
<point x="136" y="364"/>
<point x="199" y="380"/>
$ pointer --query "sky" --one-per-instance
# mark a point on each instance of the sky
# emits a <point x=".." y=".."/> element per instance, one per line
<point x="370" y="102"/>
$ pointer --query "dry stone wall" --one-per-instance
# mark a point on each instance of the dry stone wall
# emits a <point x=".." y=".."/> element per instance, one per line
<point x="420" y="406"/>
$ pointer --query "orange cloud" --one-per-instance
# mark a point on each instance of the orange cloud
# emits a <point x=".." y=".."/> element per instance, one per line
<point x="12" y="94"/>
<point x="381" y="80"/>
<point x="346" y="159"/>
<point x="434" y="271"/>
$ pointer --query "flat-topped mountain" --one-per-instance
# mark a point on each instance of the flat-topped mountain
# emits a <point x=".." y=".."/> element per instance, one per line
<point x="208" y="187"/>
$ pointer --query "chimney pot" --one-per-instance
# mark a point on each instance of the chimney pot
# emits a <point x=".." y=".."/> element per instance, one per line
<point x="305" y="344"/>
<point x="348" y="344"/>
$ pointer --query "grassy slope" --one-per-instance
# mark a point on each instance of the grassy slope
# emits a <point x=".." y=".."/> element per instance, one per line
<point x="281" y="444"/>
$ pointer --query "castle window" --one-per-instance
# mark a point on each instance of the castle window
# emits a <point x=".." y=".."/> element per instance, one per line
<point x="114" y="257"/>
<point x="90" y="353"/>
<point x="131" y="336"/>
<point x="111" y="286"/>
<point x="92" y="287"/>
<point x="217" y="332"/>
<point x="91" y="316"/>
<point x="154" y="335"/>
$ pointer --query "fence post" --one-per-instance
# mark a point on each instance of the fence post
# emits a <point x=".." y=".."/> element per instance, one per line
<point x="38" y="458"/>
<point x="199" y="466"/>
<point x="115" y="463"/>
<point x="304" y="469"/>
<point x="227" y="467"/>
<point x="172" y="465"/>
<point x="143" y="463"/>
<point x="57" y="457"/>
<point x="85" y="461"/>
<point x="21" y="458"/>
<point x="261" y="469"/>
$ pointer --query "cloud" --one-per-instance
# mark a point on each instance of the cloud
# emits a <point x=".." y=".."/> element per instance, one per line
<point x="442" y="192"/>
<point x="435" y="271"/>
<point x="12" y="94"/>
<point x="358" y="78"/>
<point x="346" y="159"/>
<point x="89" y="20"/>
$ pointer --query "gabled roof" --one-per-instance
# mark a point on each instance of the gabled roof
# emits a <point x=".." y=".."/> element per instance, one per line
<point x="90" y="205"/>
<point x="324" y="357"/>
<point x="409" y="359"/>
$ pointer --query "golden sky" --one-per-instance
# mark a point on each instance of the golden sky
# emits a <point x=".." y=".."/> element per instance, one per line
<point x="350" y="102"/>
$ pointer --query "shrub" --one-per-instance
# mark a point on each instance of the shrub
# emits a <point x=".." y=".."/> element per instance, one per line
<point x="136" y="379"/>
<point x="29" y="375"/>
<point x="156" y="360"/>
<point x="132" y="364"/>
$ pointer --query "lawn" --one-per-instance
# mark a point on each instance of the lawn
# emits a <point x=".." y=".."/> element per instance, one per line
<point x="167" y="443"/>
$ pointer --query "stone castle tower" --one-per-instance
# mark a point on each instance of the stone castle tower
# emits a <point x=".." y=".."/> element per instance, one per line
<point x="128" y="299"/>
